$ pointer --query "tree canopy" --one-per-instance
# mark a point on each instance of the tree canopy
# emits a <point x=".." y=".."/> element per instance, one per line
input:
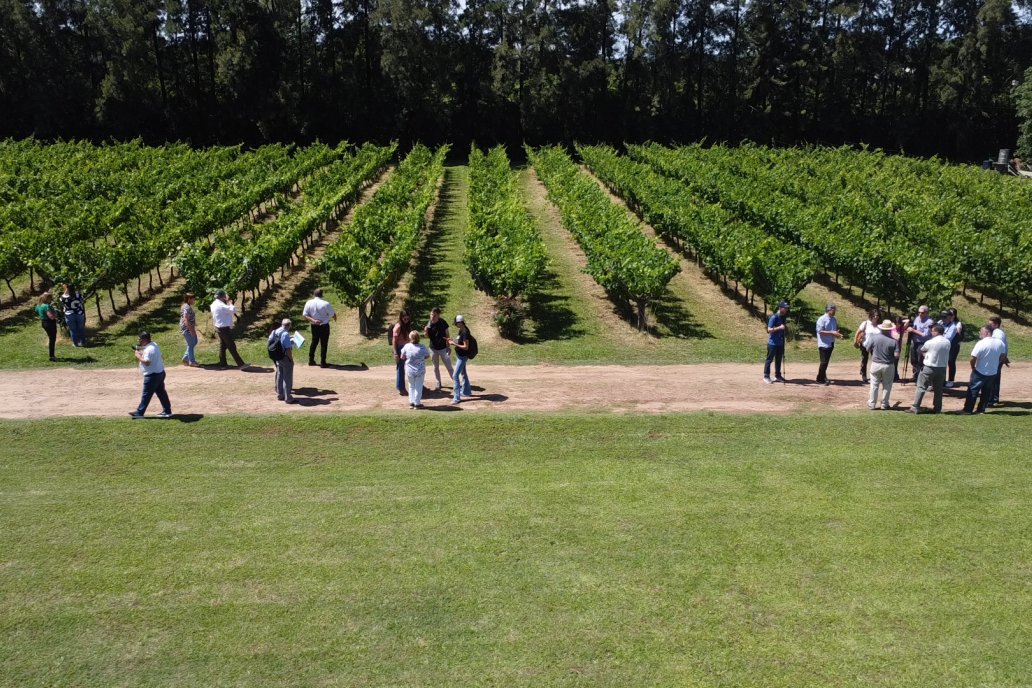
<point x="925" y="76"/>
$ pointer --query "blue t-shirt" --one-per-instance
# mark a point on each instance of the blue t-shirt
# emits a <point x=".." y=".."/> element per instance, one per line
<point x="776" y="338"/>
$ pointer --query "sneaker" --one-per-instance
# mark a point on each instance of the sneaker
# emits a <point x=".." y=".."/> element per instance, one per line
<point x="949" y="385"/>
<point x="886" y="408"/>
<point x="418" y="406"/>
<point x="279" y="398"/>
<point x="911" y="409"/>
<point x="872" y="407"/>
<point x="455" y="402"/>
<point x="165" y="415"/>
<point x="52" y="359"/>
<point x="766" y="381"/>
<point x="779" y="379"/>
<point x="244" y="366"/>
<point x="311" y="363"/>
<point x="826" y="383"/>
<point x="135" y="416"/>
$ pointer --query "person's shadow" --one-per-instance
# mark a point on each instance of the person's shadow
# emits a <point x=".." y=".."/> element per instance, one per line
<point x="313" y="396"/>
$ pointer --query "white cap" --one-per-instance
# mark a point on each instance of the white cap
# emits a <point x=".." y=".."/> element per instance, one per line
<point x="459" y="318"/>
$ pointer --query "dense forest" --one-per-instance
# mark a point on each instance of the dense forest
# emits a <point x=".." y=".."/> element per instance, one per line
<point x="943" y="77"/>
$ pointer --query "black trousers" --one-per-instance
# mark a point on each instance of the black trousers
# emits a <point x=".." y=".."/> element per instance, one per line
<point x="951" y="368"/>
<point x="320" y="334"/>
<point x="50" y="327"/>
<point x="864" y="355"/>
<point x="226" y="343"/>
<point x="916" y="358"/>
<point x="822" y="372"/>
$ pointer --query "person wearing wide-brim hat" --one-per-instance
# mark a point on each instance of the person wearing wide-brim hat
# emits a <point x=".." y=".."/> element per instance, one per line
<point x="884" y="353"/>
<point x="827" y="333"/>
<point x="777" y="325"/>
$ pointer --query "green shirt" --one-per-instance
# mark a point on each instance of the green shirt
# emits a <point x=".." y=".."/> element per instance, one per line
<point x="42" y="310"/>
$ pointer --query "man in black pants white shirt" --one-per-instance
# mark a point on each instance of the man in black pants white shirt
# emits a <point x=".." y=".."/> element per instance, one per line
<point x="318" y="312"/>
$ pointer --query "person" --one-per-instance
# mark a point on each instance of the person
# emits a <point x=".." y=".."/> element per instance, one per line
<point x="437" y="332"/>
<point x="188" y="328"/>
<point x="415" y="355"/>
<point x="827" y="333"/>
<point x="318" y="312"/>
<point x="920" y="331"/>
<point x="48" y="319"/>
<point x="285" y="365"/>
<point x="461" y="344"/>
<point x="222" y="314"/>
<point x="777" y="326"/>
<point x="898" y="330"/>
<point x="884" y="353"/>
<point x="999" y="334"/>
<point x="868" y="328"/>
<point x="153" y="368"/>
<point x="399" y="337"/>
<point x="936" y="355"/>
<point x="953" y="331"/>
<point x="986" y="357"/>
<point x="74" y="305"/>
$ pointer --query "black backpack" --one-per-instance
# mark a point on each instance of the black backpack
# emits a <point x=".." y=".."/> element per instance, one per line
<point x="472" y="351"/>
<point x="275" y="347"/>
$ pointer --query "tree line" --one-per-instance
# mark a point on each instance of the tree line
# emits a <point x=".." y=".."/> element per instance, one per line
<point x="925" y="76"/>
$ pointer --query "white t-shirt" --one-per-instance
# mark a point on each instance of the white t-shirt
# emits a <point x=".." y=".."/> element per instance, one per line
<point x="222" y="313"/>
<point x="152" y="362"/>
<point x="415" y="358"/>
<point x="937" y="352"/>
<point x="998" y="333"/>
<point x="320" y="309"/>
<point x="987" y="354"/>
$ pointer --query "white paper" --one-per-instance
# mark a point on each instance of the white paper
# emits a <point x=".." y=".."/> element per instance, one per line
<point x="298" y="340"/>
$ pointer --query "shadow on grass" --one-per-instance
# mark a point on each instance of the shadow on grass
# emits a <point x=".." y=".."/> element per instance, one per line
<point x="429" y="286"/>
<point x="994" y="308"/>
<point x="674" y="318"/>
<point x="552" y="317"/>
<point x="187" y="417"/>
<point x="18" y="321"/>
<point x="163" y="318"/>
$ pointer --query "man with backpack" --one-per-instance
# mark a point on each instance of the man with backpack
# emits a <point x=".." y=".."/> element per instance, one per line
<point x="281" y="351"/>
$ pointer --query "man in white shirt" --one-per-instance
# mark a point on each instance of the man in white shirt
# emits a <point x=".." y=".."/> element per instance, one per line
<point x="920" y="331"/>
<point x="999" y="334"/>
<point x="222" y="313"/>
<point x="933" y="369"/>
<point x="153" y="369"/>
<point x="318" y="312"/>
<point x="986" y="358"/>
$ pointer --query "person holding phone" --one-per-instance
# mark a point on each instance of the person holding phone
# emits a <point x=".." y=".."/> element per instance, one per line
<point x="153" y="368"/>
<point x="47" y="315"/>
<point x="461" y="344"/>
<point x="222" y="314"/>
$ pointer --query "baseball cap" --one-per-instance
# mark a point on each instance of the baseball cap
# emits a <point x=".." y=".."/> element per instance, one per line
<point x="783" y="304"/>
<point x="459" y="318"/>
<point x="829" y="307"/>
<point x="220" y="294"/>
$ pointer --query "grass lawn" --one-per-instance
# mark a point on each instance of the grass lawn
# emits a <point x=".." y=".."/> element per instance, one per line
<point x="698" y="550"/>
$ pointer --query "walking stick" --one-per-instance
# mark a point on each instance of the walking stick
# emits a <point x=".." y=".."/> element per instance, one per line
<point x="784" y="357"/>
<point x="906" y="362"/>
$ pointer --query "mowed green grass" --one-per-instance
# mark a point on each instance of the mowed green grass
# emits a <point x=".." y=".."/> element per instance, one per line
<point x="698" y="550"/>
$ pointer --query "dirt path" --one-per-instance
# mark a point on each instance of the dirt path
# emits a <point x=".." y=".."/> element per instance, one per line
<point x="728" y="388"/>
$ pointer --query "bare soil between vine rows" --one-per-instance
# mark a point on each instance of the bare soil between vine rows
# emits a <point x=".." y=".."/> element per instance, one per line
<point x="724" y="388"/>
